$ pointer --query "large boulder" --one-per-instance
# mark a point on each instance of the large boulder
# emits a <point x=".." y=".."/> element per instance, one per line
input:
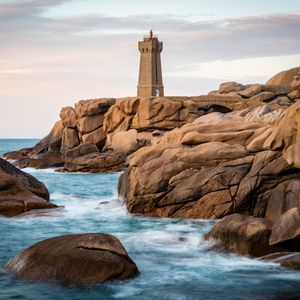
<point x="93" y="161"/>
<point x="228" y="87"/>
<point x="70" y="139"/>
<point x="124" y="141"/>
<point x="75" y="259"/>
<point x="68" y="116"/>
<point x="157" y="112"/>
<point x="243" y="235"/>
<point x="93" y="106"/>
<point x="263" y="97"/>
<point x="286" y="230"/>
<point x="20" y="192"/>
<point x="89" y="123"/>
<point x="251" y="90"/>
<point x="286" y="135"/>
<point x="97" y="137"/>
<point x="283" y="197"/>
<point x="81" y="150"/>
<point x="284" y="78"/>
<point x="296" y="82"/>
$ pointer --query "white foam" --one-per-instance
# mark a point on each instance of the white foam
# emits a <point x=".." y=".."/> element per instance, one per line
<point x="81" y="205"/>
<point x="33" y="170"/>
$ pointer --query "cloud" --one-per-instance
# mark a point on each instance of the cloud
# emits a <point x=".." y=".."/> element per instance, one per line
<point x="23" y="24"/>
<point x="48" y="62"/>
<point x="34" y="41"/>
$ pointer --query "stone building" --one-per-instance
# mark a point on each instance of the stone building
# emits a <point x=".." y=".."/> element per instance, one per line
<point x="150" y="74"/>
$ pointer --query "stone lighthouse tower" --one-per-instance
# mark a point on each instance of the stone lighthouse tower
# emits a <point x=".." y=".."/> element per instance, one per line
<point x="150" y="75"/>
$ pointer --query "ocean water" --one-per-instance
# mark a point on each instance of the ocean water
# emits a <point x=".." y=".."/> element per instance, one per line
<point x="174" y="260"/>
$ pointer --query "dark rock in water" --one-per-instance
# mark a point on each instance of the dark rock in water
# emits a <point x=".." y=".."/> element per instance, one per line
<point x="41" y="161"/>
<point x="293" y="261"/>
<point x="19" y="154"/>
<point x="286" y="259"/>
<point x="46" y="212"/>
<point x="244" y="235"/>
<point x="75" y="259"/>
<point x="286" y="230"/>
<point x="113" y="202"/>
<point x="45" y="154"/>
<point x="20" y="192"/>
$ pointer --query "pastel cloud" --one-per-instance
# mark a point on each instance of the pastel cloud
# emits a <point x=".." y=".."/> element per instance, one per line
<point x="48" y="62"/>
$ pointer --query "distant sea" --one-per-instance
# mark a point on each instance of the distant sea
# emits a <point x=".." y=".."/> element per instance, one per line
<point x="171" y="254"/>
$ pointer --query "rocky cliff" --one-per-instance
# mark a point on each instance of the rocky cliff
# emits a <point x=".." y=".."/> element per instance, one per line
<point x="97" y="135"/>
<point x="222" y="165"/>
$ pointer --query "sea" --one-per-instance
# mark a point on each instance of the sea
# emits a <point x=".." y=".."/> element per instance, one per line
<point x="174" y="260"/>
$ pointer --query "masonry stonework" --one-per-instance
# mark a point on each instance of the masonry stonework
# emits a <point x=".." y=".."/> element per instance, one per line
<point x="150" y="73"/>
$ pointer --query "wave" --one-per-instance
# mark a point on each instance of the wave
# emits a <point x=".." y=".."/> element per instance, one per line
<point x="34" y="170"/>
<point x="81" y="205"/>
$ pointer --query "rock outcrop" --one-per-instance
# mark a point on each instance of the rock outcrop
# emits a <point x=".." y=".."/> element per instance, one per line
<point x="75" y="259"/>
<point x="104" y="123"/>
<point x="219" y="165"/>
<point x="20" y="192"/>
<point x="275" y="94"/>
<point x="119" y="127"/>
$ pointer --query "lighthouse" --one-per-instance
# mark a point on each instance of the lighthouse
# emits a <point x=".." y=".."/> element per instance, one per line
<point x="150" y="74"/>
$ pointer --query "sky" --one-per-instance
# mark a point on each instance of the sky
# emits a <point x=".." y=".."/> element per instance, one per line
<point x="56" y="52"/>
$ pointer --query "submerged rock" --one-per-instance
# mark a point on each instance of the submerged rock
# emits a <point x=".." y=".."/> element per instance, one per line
<point x="20" y="192"/>
<point x="75" y="259"/>
<point x="287" y="259"/>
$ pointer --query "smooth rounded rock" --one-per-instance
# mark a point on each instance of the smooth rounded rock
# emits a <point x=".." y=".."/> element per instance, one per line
<point x="75" y="259"/>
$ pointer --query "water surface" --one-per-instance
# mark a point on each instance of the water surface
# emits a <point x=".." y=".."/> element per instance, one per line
<point x="171" y="254"/>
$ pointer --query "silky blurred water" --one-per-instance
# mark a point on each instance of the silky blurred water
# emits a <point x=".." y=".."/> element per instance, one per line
<point x="172" y="256"/>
